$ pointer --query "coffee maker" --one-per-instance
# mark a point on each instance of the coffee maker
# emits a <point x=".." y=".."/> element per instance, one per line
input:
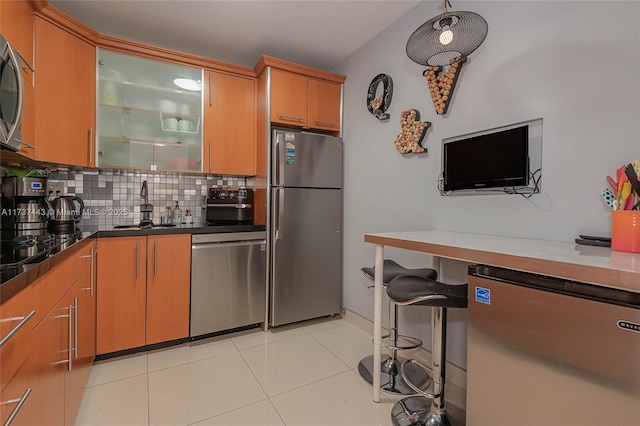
<point x="24" y="208"/>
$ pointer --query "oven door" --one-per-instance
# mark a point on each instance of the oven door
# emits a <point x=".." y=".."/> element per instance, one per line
<point x="11" y="96"/>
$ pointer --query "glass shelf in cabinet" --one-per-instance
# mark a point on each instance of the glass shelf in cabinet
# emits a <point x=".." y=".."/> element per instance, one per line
<point x="153" y="111"/>
<point x="127" y="140"/>
<point x="152" y="87"/>
<point x="179" y="123"/>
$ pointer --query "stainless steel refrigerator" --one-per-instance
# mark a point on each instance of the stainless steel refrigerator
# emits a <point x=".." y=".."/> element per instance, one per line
<point x="305" y="226"/>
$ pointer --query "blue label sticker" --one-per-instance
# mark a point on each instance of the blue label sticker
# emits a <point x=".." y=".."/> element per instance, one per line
<point x="483" y="295"/>
<point x="291" y="152"/>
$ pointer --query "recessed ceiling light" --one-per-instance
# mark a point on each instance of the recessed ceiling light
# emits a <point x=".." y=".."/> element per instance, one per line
<point x="188" y="84"/>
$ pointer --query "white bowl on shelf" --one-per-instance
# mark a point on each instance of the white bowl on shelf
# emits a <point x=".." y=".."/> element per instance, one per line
<point x="167" y="106"/>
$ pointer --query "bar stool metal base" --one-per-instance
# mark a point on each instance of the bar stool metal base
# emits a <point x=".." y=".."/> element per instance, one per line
<point x="416" y="411"/>
<point x="393" y="383"/>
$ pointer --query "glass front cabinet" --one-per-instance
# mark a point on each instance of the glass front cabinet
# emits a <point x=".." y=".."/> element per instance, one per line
<point x="149" y="114"/>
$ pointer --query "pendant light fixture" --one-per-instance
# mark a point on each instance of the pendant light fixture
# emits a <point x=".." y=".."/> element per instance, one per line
<point x="447" y="38"/>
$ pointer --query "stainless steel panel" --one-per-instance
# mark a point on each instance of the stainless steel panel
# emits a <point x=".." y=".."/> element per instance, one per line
<point x="306" y="160"/>
<point x="229" y="236"/>
<point x="228" y="282"/>
<point x="306" y="279"/>
<point x="537" y="357"/>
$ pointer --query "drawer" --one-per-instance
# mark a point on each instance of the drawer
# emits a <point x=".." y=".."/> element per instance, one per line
<point x="50" y="288"/>
<point x="15" y="399"/>
<point x="18" y="317"/>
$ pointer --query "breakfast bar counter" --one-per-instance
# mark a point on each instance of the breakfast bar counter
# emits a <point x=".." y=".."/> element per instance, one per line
<point x="599" y="266"/>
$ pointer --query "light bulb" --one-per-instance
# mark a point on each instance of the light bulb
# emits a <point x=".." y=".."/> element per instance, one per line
<point x="188" y="84"/>
<point x="446" y="36"/>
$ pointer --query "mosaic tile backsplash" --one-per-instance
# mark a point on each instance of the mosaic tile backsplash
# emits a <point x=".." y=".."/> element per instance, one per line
<point x="112" y="197"/>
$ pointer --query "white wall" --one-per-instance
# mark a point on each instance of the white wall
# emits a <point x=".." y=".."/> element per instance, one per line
<point x="575" y="64"/>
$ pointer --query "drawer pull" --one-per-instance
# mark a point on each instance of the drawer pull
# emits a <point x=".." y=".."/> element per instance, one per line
<point x="23" y="321"/>
<point x="325" y="123"/>
<point x="20" y="403"/>
<point x="290" y="117"/>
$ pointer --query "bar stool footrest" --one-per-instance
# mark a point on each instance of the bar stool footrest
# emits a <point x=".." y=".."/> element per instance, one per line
<point x="392" y="383"/>
<point x="408" y="381"/>
<point x="412" y="343"/>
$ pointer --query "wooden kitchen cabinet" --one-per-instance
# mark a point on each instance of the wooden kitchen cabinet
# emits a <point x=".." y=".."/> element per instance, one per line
<point x="15" y="396"/>
<point x="43" y="373"/>
<point x="61" y="346"/>
<point x="64" y="96"/>
<point x="83" y="300"/>
<point x="17" y="319"/>
<point x="324" y="101"/>
<point x="288" y="98"/>
<point x="17" y="23"/>
<point x="143" y="291"/>
<point x="122" y="279"/>
<point x="303" y="101"/>
<point x="229" y="124"/>
<point x="168" y="287"/>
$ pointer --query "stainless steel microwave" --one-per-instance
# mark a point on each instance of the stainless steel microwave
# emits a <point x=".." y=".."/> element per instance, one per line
<point x="11" y="96"/>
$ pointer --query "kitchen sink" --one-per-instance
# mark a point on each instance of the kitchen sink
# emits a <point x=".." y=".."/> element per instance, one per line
<point x="162" y="225"/>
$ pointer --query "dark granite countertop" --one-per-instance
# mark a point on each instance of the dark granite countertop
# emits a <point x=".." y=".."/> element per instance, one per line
<point x="13" y="284"/>
<point x="132" y="232"/>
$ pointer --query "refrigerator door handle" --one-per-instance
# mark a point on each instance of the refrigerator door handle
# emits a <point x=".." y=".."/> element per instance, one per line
<point x="279" y="154"/>
<point x="280" y="214"/>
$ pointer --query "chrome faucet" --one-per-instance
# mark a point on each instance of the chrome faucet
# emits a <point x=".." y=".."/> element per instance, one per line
<point x="144" y="192"/>
<point x="146" y="209"/>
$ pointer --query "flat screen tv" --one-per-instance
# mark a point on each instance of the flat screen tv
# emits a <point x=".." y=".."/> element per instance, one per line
<point x="499" y="159"/>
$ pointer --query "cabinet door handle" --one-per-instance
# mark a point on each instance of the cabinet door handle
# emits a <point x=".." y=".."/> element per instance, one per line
<point x="326" y="123"/>
<point x="75" y="321"/>
<point x="290" y="117"/>
<point x="137" y="259"/>
<point x="70" y="360"/>
<point x="25" y="62"/>
<point x="90" y="145"/>
<point x="210" y="155"/>
<point x="91" y="279"/>
<point x="25" y="144"/>
<point x="20" y="403"/>
<point x="155" y="258"/>
<point x="210" y="100"/>
<point x="23" y="321"/>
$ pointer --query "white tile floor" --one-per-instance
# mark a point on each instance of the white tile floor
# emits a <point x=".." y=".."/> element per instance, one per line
<point x="297" y="375"/>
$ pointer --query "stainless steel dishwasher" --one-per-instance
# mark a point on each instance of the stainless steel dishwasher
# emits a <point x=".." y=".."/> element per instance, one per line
<point x="228" y="282"/>
<point x="547" y="351"/>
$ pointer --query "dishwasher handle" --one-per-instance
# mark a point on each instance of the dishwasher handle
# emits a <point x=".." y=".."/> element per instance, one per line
<point x="227" y="244"/>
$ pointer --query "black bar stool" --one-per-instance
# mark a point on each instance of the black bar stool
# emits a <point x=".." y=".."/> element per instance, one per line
<point x="428" y="408"/>
<point x="390" y="379"/>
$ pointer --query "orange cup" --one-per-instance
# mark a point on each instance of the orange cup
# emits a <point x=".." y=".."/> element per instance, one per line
<point x="625" y="231"/>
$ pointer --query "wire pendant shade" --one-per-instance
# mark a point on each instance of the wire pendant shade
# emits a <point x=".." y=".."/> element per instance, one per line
<point x="447" y="38"/>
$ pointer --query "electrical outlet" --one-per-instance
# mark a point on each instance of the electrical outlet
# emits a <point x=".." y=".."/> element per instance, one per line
<point x="54" y="186"/>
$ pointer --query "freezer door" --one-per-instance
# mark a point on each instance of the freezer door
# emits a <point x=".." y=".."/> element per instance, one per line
<point x="306" y="274"/>
<point x="306" y="160"/>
